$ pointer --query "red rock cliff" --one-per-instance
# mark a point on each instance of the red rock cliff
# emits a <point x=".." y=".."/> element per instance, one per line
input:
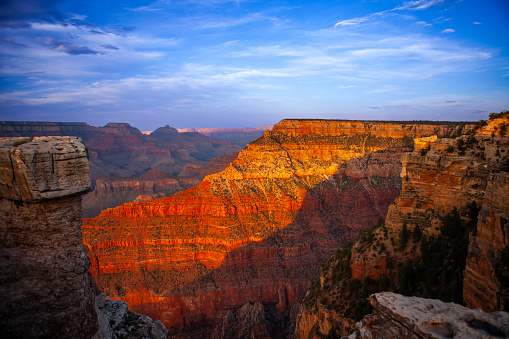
<point x="257" y="229"/>
<point x="452" y="188"/>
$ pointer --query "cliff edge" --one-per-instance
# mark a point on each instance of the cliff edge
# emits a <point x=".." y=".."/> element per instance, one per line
<point x="445" y="236"/>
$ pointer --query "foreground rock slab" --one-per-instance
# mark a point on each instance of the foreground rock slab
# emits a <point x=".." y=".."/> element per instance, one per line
<point x="45" y="286"/>
<point x="397" y="316"/>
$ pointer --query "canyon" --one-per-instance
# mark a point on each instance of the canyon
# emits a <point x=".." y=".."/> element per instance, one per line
<point x="258" y="230"/>
<point x="125" y="164"/>
<point x="444" y="237"/>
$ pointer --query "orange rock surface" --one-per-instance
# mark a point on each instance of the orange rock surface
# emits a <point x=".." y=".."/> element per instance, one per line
<point x="441" y="175"/>
<point x="257" y="229"/>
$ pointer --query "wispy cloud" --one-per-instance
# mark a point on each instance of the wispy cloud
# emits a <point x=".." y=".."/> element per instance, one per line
<point x="424" y="23"/>
<point x="448" y="30"/>
<point x="407" y="6"/>
<point x="108" y="46"/>
<point x="65" y="47"/>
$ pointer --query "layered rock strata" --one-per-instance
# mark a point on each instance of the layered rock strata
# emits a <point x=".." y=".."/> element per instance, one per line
<point x="486" y="283"/>
<point x="45" y="290"/>
<point x="397" y="316"/>
<point x="114" y="191"/>
<point x="258" y="230"/>
<point x="453" y="189"/>
<point x="120" y="150"/>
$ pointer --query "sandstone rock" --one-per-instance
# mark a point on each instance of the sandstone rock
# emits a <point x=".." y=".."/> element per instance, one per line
<point x="453" y="177"/>
<point x="43" y="168"/>
<point x="126" y="324"/>
<point x="397" y="316"/>
<point x="119" y="150"/>
<point x="253" y="320"/>
<point x="265" y="222"/>
<point x="487" y="268"/>
<point x="45" y="289"/>
<point x="114" y="191"/>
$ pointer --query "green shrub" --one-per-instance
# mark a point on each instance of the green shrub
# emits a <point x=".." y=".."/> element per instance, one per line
<point x="403" y="236"/>
<point x="21" y="142"/>
<point x="425" y="150"/>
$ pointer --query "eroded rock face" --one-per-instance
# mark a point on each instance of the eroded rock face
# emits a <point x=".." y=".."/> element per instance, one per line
<point x="120" y="150"/>
<point x="253" y="321"/>
<point x="396" y="316"/>
<point x="114" y="191"/>
<point x="451" y="187"/>
<point x="256" y="231"/>
<point x="119" y="322"/>
<point x="45" y="290"/>
<point x="42" y="169"/>
<point x="487" y="271"/>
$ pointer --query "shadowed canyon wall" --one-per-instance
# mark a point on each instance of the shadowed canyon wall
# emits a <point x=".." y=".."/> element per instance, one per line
<point x="258" y="230"/>
<point x="445" y="236"/>
<point x="46" y="289"/>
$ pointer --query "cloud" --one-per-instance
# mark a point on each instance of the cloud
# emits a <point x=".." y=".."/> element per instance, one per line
<point x="418" y="5"/>
<point x="12" y="43"/>
<point x="65" y="47"/>
<point x="448" y="30"/>
<point x="19" y="14"/>
<point x="477" y="23"/>
<point x="108" y="46"/>
<point x="409" y="6"/>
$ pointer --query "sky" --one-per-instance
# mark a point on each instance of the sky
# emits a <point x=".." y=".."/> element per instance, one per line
<point x="249" y="63"/>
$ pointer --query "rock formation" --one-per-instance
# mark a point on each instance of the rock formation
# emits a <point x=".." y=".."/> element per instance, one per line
<point x="119" y="150"/>
<point x="396" y="316"/>
<point x="116" y="321"/>
<point x="114" y="191"/>
<point x="257" y="231"/>
<point x="46" y="290"/>
<point x="453" y="205"/>
<point x="486" y="283"/>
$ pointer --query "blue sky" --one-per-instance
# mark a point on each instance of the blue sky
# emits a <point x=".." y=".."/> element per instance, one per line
<point x="219" y="63"/>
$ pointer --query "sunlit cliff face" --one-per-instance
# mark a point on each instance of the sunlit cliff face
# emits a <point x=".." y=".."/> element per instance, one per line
<point x="257" y="229"/>
<point x="454" y="208"/>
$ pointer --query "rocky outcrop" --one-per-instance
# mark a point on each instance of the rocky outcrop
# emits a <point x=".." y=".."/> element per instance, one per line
<point x="397" y="316"/>
<point x="45" y="290"/>
<point x="255" y="232"/>
<point x="486" y="283"/>
<point x="119" y="322"/>
<point x="452" y="204"/>
<point x="487" y="270"/>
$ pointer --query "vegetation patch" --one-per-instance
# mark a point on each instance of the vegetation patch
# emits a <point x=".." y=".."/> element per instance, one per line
<point x="21" y="142"/>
